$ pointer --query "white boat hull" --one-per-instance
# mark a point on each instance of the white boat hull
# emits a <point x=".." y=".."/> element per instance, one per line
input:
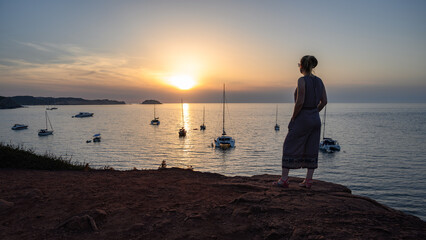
<point x="329" y="145"/>
<point x="83" y="115"/>
<point x="224" y="142"/>
<point x="44" y="132"/>
<point x="19" y="127"/>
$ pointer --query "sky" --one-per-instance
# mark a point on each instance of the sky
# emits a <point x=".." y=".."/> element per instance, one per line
<point x="368" y="51"/>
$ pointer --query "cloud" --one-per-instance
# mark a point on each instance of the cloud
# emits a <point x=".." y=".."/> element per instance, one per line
<point x="70" y="65"/>
<point x="35" y="46"/>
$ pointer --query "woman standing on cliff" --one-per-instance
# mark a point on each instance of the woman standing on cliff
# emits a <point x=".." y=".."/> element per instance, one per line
<point x="301" y="145"/>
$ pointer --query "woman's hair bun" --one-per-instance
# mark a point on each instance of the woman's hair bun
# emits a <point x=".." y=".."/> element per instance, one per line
<point x="313" y="61"/>
<point x="308" y="62"/>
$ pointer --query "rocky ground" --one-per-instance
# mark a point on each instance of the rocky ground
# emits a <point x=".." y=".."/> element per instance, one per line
<point x="183" y="204"/>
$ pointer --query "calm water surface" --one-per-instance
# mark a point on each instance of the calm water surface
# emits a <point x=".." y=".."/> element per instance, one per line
<point x="383" y="145"/>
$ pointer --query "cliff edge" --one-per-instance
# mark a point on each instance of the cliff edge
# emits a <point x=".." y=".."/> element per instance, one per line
<point x="184" y="204"/>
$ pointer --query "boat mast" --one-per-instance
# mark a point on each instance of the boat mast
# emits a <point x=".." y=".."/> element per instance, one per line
<point x="276" y="116"/>
<point x="154" y="110"/>
<point x="47" y="119"/>
<point x="181" y="102"/>
<point x="204" y="113"/>
<point x="45" y="115"/>
<point x="223" y="124"/>
<point x="323" y="130"/>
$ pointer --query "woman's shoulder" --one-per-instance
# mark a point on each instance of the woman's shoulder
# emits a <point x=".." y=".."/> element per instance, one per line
<point x="320" y="81"/>
<point x="311" y="77"/>
<point x="317" y="78"/>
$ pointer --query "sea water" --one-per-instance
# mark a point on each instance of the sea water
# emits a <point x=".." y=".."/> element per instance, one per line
<point x="382" y="157"/>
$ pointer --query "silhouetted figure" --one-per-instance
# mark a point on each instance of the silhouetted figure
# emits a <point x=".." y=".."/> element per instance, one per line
<point x="301" y="145"/>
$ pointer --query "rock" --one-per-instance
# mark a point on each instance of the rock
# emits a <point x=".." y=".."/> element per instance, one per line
<point x="98" y="214"/>
<point x="34" y="193"/>
<point x="151" y="101"/>
<point x="85" y="221"/>
<point x="273" y="236"/>
<point x="198" y="216"/>
<point x="79" y="223"/>
<point x="241" y="211"/>
<point x="138" y="227"/>
<point x="5" y="205"/>
<point x="255" y="209"/>
<point x="92" y="223"/>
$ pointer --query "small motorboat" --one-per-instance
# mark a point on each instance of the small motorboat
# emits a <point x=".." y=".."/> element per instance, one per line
<point x="97" y="137"/>
<point x="19" y="126"/>
<point x="83" y="115"/>
<point x="182" y="132"/>
<point x="329" y="145"/>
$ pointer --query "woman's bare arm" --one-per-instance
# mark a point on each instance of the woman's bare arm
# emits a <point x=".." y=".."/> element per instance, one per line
<point x="300" y="99"/>
<point x="323" y="100"/>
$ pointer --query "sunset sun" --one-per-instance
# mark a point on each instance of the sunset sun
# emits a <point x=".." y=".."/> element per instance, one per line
<point x="183" y="82"/>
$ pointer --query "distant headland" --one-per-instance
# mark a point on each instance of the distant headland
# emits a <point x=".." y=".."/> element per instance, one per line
<point x="151" y="101"/>
<point x="30" y="100"/>
<point x="8" y="103"/>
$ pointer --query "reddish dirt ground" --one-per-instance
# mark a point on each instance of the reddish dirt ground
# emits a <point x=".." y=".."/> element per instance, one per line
<point x="184" y="204"/>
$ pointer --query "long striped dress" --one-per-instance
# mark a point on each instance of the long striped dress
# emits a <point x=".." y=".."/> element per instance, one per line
<point x="301" y="145"/>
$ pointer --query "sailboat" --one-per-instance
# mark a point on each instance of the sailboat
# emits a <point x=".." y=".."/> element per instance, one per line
<point x="97" y="137"/>
<point x="46" y="131"/>
<point x="224" y="141"/>
<point x="203" y="127"/>
<point x="277" y="127"/>
<point x="328" y="144"/>
<point x="182" y="131"/>
<point x="156" y="120"/>
<point x="51" y="108"/>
